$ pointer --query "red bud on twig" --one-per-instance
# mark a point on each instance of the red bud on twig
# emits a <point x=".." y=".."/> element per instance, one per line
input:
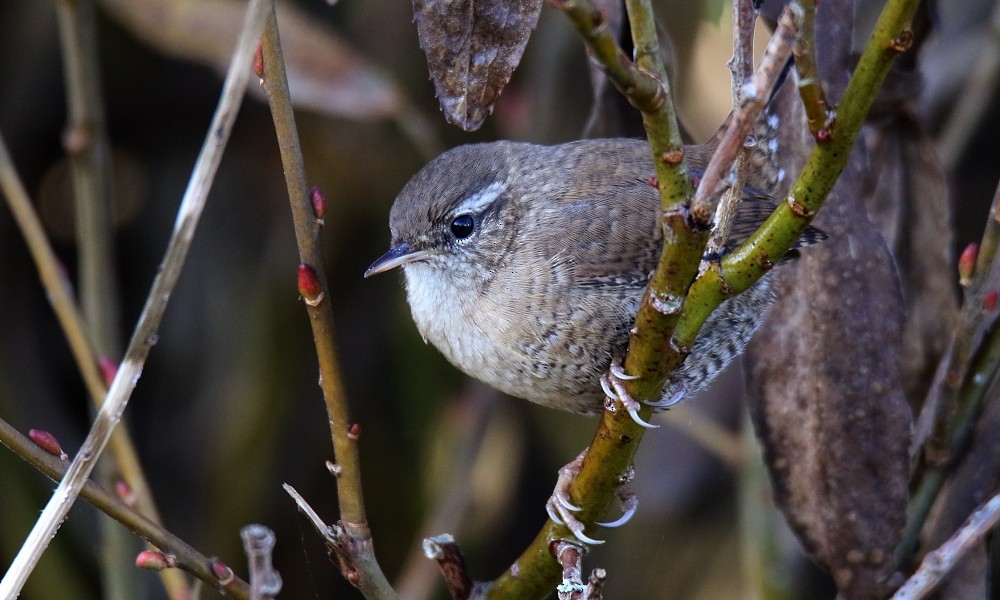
<point x="258" y="64"/>
<point x="223" y="573"/>
<point x="967" y="264"/>
<point x="48" y="442"/>
<point x="990" y="300"/>
<point x="108" y="368"/>
<point x="319" y="204"/>
<point x="309" y="285"/>
<point x="152" y="560"/>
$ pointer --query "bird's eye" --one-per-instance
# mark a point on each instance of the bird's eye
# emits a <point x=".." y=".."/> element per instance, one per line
<point x="462" y="226"/>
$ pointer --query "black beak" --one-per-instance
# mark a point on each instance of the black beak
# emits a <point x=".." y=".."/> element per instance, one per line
<point x="398" y="255"/>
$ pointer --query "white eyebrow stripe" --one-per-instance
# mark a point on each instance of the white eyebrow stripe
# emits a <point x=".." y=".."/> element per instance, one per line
<point x="481" y="199"/>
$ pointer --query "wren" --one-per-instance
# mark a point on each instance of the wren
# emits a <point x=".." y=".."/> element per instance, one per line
<point x="525" y="265"/>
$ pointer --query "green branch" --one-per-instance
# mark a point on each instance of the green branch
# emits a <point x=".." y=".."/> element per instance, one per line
<point x="748" y="263"/>
<point x="650" y="355"/>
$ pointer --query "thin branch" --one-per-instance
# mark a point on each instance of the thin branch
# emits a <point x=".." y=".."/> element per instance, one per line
<point x="747" y="263"/>
<point x="86" y="143"/>
<point x="258" y="544"/>
<point x="344" y="547"/>
<point x="58" y="289"/>
<point x="937" y="564"/>
<point x="818" y="114"/>
<point x="145" y="334"/>
<point x="183" y="555"/>
<point x="959" y="391"/>
<point x="445" y="551"/>
<point x="570" y="558"/>
<point x="741" y="68"/>
<point x="755" y="94"/>
<point x="307" y="219"/>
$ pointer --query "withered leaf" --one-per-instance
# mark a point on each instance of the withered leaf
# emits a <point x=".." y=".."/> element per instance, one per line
<point x="472" y="48"/>
<point x="826" y="386"/>
<point x="324" y="73"/>
<point x="827" y="400"/>
<point x="906" y="195"/>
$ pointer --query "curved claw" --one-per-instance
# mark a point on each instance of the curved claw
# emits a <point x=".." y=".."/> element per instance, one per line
<point x="580" y="535"/>
<point x="629" y="506"/>
<point x="565" y="503"/>
<point x="610" y="393"/>
<point x="625" y="518"/>
<point x="664" y="403"/>
<point x="619" y="371"/>
<point x="553" y="514"/>
<point x="633" y="411"/>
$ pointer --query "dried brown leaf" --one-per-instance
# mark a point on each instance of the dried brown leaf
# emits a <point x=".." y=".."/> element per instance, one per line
<point x="324" y="72"/>
<point x="472" y="48"/>
<point x="827" y="400"/>
<point x="826" y="389"/>
<point x="907" y="198"/>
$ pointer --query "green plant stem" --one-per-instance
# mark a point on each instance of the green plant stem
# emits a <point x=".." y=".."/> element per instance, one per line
<point x="611" y="451"/>
<point x="372" y="581"/>
<point x="617" y="437"/>
<point x="745" y="265"/>
<point x="188" y="558"/>
<point x="974" y="363"/>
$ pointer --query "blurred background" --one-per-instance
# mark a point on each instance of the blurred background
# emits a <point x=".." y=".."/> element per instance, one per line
<point x="228" y="408"/>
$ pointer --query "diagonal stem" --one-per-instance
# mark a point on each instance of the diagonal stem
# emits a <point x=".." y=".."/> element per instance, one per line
<point x="145" y="334"/>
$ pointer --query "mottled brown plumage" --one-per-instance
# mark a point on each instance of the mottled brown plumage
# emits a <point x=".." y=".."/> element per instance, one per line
<point x="525" y="265"/>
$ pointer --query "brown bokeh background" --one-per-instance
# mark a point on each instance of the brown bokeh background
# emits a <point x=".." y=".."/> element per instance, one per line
<point x="228" y="408"/>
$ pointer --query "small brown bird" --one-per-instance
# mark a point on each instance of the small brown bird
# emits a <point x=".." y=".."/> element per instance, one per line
<point x="525" y="265"/>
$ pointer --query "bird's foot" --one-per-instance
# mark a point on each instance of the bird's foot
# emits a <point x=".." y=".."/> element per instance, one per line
<point x="629" y="502"/>
<point x="666" y="402"/>
<point x="560" y="508"/>
<point x="613" y="385"/>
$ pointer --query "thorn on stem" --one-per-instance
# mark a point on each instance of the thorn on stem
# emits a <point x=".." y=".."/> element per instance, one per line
<point x="799" y="209"/>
